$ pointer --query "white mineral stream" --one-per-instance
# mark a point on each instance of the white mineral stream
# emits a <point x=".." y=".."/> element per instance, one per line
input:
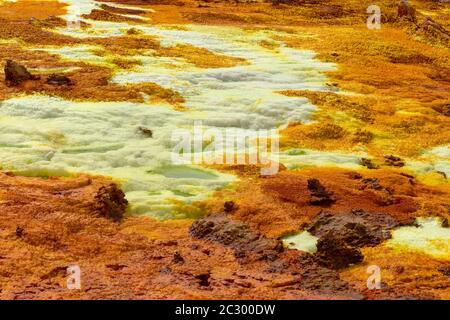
<point x="42" y="135"/>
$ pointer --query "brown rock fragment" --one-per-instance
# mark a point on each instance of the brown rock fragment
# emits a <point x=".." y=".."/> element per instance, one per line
<point x="146" y="132"/>
<point x="15" y="73"/>
<point x="110" y="202"/>
<point x="178" y="258"/>
<point x="229" y="206"/>
<point x="221" y="229"/>
<point x="341" y="235"/>
<point x="334" y="253"/>
<point x="368" y="163"/>
<point x="356" y="228"/>
<point x="319" y="195"/>
<point x="59" y="80"/>
<point x="203" y="279"/>
<point x="19" y="232"/>
<point x="394" y="161"/>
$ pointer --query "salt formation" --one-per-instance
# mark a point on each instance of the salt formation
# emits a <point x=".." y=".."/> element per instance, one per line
<point x="42" y="135"/>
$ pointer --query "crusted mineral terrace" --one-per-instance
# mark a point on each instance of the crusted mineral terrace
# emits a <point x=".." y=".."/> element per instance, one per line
<point x="92" y="91"/>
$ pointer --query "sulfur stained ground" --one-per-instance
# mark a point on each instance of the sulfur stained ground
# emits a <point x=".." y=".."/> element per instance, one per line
<point x="399" y="84"/>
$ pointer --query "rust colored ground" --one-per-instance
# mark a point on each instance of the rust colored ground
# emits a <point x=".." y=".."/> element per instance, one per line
<point x="285" y="197"/>
<point x="48" y="225"/>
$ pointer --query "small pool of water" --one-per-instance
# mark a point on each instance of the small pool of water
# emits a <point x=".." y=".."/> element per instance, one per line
<point x="429" y="237"/>
<point x="303" y="241"/>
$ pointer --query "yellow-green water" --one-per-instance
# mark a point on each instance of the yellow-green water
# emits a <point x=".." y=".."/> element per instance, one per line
<point x="429" y="237"/>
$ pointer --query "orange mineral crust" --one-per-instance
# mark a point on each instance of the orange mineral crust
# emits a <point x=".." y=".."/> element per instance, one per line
<point x="92" y="85"/>
<point x="88" y="82"/>
<point x="276" y="13"/>
<point x="50" y="224"/>
<point x="31" y="9"/>
<point x="289" y="203"/>
<point x="405" y="272"/>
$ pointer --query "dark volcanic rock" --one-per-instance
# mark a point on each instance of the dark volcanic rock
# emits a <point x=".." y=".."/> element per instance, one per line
<point x="229" y="206"/>
<point x="16" y="73"/>
<point x="333" y="252"/>
<point x="110" y="202"/>
<point x="59" y="80"/>
<point x="178" y="258"/>
<point x="368" y="163"/>
<point x="19" y="232"/>
<point x="319" y="195"/>
<point x="221" y="229"/>
<point x="372" y="183"/>
<point x="203" y="279"/>
<point x="356" y="228"/>
<point x="317" y="277"/>
<point x="146" y="132"/>
<point x="394" y="161"/>
<point x="308" y="272"/>
<point x="341" y="235"/>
